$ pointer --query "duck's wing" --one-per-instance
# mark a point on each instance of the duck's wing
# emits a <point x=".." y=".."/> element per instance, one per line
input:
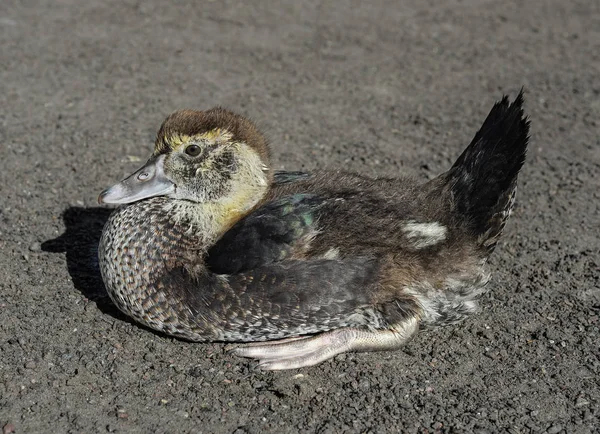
<point x="290" y="300"/>
<point x="273" y="232"/>
<point x="284" y="177"/>
<point x="282" y="299"/>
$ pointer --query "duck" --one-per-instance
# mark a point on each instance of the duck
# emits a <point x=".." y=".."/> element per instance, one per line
<point x="209" y="244"/>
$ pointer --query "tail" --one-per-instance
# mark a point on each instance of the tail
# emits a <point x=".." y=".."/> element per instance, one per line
<point x="483" y="180"/>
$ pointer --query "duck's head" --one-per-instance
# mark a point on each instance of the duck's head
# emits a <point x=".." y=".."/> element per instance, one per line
<point x="213" y="156"/>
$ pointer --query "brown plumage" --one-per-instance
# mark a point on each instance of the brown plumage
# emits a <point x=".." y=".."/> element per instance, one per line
<point x="192" y="123"/>
<point x="217" y="248"/>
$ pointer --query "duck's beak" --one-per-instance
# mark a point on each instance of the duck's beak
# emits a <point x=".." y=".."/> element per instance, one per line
<point x="149" y="181"/>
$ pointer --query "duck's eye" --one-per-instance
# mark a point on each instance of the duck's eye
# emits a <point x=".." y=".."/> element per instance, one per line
<point x="193" y="150"/>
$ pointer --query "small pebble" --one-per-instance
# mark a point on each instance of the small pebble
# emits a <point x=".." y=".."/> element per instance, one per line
<point x="555" y="429"/>
<point x="35" y="247"/>
<point x="182" y="413"/>
<point x="149" y="357"/>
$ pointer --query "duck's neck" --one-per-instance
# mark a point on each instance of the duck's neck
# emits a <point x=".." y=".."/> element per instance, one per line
<point x="205" y="222"/>
<point x="208" y="220"/>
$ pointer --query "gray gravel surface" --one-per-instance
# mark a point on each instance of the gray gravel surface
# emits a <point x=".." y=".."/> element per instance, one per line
<point x="382" y="87"/>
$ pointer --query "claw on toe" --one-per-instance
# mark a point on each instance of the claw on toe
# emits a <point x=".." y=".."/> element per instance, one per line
<point x="293" y="353"/>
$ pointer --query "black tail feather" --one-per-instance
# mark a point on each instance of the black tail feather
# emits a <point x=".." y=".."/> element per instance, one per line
<point x="484" y="178"/>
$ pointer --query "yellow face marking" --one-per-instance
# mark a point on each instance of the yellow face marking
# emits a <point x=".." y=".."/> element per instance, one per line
<point x="217" y="135"/>
<point x="177" y="141"/>
<point x="242" y="191"/>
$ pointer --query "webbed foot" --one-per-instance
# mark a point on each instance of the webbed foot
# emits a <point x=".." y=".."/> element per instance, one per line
<point x="293" y="353"/>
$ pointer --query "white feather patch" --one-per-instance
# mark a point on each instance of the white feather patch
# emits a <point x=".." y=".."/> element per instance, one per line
<point x="425" y="234"/>
<point x="333" y="253"/>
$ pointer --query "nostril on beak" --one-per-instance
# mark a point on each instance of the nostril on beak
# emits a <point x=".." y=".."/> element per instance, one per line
<point x="101" y="197"/>
<point x="143" y="176"/>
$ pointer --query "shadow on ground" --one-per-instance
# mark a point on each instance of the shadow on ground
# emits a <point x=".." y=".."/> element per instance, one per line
<point x="80" y="243"/>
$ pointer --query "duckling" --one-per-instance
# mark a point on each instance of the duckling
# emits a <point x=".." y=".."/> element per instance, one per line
<point x="209" y="244"/>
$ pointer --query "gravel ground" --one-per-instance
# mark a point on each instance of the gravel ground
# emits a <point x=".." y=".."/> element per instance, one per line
<point x="380" y="87"/>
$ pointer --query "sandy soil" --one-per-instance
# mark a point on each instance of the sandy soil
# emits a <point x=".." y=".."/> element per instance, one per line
<point x="381" y="87"/>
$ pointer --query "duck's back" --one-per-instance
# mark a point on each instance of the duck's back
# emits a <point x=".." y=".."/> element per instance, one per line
<point x="358" y="215"/>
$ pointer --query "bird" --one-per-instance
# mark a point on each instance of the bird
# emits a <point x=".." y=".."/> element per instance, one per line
<point x="210" y="244"/>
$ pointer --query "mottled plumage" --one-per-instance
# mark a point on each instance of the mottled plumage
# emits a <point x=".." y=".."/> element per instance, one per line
<point x="217" y="248"/>
<point x="274" y="232"/>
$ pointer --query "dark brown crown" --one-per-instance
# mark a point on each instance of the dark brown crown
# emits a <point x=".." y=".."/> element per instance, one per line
<point x="193" y="123"/>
